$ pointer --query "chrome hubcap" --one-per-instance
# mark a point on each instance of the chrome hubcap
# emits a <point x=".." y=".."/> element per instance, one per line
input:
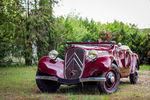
<point x="111" y="77"/>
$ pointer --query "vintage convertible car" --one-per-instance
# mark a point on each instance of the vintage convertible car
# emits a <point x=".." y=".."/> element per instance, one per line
<point x="101" y="62"/>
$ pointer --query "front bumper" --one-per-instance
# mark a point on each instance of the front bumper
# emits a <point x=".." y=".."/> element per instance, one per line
<point x="71" y="81"/>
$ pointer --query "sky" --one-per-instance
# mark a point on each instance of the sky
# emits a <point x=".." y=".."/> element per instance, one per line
<point x="128" y="11"/>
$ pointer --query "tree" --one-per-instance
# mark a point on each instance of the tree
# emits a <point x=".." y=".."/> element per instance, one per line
<point x="9" y="13"/>
<point x="41" y="26"/>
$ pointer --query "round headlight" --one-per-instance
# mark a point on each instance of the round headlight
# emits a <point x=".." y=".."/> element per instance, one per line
<point x="53" y="54"/>
<point x="92" y="54"/>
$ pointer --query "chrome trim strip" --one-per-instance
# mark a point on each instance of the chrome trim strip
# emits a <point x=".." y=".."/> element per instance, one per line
<point x="73" y="58"/>
<point x="68" y="64"/>
<point x="89" y="79"/>
<point x="77" y="63"/>
<point x="78" y="59"/>
<point x="53" y="78"/>
<point x="92" y="79"/>
<point x="70" y="58"/>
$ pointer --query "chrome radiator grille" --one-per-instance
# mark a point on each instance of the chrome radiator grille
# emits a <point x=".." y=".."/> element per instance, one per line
<point x="74" y="62"/>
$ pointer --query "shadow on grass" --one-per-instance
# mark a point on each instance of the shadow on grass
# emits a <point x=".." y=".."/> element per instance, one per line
<point x="124" y="82"/>
<point x="84" y="89"/>
<point x="80" y="89"/>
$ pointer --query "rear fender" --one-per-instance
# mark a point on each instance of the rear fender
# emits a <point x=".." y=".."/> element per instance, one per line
<point x="54" y="68"/>
<point x="134" y="63"/>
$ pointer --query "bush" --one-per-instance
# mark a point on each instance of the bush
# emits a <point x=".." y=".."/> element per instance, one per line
<point x="81" y="30"/>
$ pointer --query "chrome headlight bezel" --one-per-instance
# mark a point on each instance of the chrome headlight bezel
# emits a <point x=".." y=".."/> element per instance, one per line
<point x="92" y="54"/>
<point x="53" y="54"/>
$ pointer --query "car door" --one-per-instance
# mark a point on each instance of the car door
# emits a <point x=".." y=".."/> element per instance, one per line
<point x="124" y="62"/>
<point x="127" y="61"/>
<point x="122" y="58"/>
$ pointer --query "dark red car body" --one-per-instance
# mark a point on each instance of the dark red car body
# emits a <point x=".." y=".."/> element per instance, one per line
<point x="77" y="65"/>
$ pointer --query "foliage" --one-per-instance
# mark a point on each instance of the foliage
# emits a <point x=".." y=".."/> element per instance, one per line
<point x="79" y="29"/>
<point x="145" y="67"/>
<point x="9" y="12"/>
<point x="40" y="29"/>
<point x="29" y="25"/>
<point x="24" y="24"/>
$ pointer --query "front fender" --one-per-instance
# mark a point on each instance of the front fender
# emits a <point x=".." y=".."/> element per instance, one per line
<point x="102" y="64"/>
<point x="54" y="68"/>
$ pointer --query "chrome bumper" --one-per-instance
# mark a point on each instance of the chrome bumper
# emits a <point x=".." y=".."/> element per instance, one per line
<point x="71" y="81"/>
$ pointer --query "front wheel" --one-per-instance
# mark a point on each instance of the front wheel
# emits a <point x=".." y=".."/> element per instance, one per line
<point x="47" y="85"/>
<point x="112" y="80"/>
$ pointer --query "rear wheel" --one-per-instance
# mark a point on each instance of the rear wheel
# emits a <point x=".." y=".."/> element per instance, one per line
<point x="47" y="85"/>
<point x="134" y="77"/>
<point x="112" y="80"/>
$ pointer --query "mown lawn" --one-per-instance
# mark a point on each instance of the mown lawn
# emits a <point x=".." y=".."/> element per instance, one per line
<point x="145" y="67"/>
<point x="18" y="83"/>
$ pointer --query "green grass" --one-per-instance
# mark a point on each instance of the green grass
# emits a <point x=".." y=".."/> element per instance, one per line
<point x="18" y="83"/>
<point x="145" y="67"/>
